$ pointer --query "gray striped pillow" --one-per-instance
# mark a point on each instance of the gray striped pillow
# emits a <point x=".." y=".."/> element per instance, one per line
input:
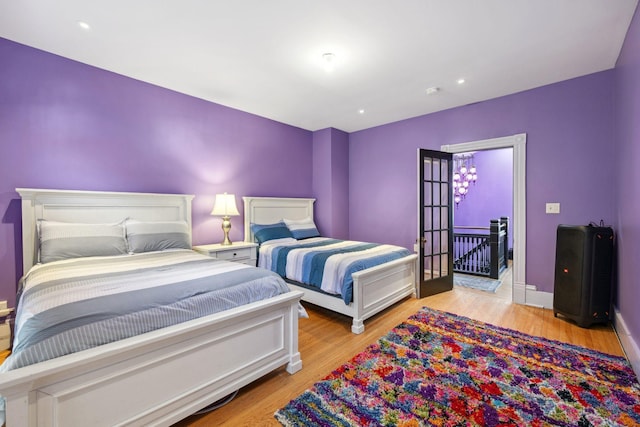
<point x="302" y="229"/>
<point x="64" y="240"/>
<point x="147" y="236"/>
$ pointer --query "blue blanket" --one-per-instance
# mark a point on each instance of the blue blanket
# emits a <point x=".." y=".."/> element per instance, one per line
<point x="314" y="256"/>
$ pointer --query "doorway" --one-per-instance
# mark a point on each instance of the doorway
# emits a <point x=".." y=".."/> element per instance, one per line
<point x="518" y="143"/>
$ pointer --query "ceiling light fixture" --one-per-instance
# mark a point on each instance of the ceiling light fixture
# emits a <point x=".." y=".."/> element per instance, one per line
<point x="433" y="90"/>
<point x="460" y="81"/>
<point x="329" y="61"/>
<point x="361" y="111"/>
<point x="84" y="25"/>
<point x="464" y="174"/>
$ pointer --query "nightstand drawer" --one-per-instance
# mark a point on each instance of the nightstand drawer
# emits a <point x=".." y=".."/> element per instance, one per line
<point x="234" y="254"/>
<point x="242" y="252"/>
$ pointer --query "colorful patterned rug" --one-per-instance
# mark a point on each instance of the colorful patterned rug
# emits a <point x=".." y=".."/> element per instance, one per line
<point x="440" y="369"/>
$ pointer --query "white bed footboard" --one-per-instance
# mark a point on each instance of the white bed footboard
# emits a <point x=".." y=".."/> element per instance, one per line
<point x="160" y="377"/>
<point x="374" y="290"/>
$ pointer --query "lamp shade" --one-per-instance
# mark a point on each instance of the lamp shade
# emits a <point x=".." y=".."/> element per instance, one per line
<point x="225" y="205"/>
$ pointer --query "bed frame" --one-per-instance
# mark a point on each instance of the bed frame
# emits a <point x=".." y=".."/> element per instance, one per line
<point x="374" y="289"/>
<point x="159" y="377"/>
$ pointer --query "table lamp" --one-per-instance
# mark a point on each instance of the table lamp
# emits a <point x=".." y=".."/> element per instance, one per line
<point x="225" y="206"/>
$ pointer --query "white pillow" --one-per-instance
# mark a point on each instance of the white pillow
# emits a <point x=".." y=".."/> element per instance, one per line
<point x="63" y="240"/>
<point x="148" y="236"/>
<point x="303" y="228"/>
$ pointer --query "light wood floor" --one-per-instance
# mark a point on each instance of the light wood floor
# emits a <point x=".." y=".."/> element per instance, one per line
<point x="326" y="342"/>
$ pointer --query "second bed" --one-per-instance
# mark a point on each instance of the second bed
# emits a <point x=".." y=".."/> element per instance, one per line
<point x="373" y="287"/>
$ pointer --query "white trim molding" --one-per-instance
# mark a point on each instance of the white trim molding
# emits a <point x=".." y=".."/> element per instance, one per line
<point x="629" y="345"/>
<point x="521" y="293"/>
<point x="536" y="298"/>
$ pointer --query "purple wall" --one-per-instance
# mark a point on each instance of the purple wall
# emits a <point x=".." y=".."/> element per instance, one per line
<point x="628" y="158"/>
<point x="331" y="182"/>
<point x="67" y="125"/>
<point x="491" y="197"/>
<point x="569" y="127"/>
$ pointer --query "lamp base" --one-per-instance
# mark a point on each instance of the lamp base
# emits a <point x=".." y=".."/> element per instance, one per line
<point x="226" y="226"/>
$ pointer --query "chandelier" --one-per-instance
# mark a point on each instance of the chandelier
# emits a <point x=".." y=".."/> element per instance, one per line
<point x="464" y="174"/>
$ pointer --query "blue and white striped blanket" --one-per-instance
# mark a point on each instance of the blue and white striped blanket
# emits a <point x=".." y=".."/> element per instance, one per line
<point x="327" y="264"/>
<point x="72" y="305"/>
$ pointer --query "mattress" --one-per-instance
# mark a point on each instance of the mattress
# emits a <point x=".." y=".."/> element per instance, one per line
<point x="72" y="305"/>
<point x="323" y="263"/>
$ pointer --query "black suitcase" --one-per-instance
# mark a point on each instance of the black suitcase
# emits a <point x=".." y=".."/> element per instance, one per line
<point x="583" y="274"/>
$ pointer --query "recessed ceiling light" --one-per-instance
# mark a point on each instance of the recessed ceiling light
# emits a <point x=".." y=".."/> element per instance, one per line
<point x="460" y="81"/>
<point x="433" y="90"/>
<point x="361" y="111"/>
<point x="329" y="61"/>
<point x="84" y="25"/>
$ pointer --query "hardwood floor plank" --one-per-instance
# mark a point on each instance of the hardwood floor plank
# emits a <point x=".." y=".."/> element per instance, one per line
<point x="326" y="342"/>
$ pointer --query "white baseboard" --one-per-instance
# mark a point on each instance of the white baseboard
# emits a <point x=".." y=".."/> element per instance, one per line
<point x="629" y="345"/>
<point x="519" y="293"/>
<point x="529" y="295"/>
<point x="537" y="298"/>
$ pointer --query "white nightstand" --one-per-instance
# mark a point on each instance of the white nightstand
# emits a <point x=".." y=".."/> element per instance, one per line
<point x="244" y="252"/>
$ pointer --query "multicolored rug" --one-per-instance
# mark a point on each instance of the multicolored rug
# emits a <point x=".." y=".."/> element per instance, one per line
<point x="440" y="369"/>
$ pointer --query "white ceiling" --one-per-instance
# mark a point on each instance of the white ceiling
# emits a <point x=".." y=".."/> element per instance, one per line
<point x="265" y="57"/>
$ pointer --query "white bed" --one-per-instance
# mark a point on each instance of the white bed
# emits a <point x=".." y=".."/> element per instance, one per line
<point x="159" y="377"/>
<point x="374" y="289"/>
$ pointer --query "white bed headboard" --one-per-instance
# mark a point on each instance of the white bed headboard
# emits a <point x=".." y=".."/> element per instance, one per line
<point x="267" y="210"/>
<point x="94" y="207"/>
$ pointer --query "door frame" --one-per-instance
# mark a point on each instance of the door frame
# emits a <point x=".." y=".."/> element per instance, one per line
<point x="518" y="143"/>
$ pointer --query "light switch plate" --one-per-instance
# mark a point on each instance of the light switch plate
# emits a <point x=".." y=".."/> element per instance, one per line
<point x="553" y="208"/>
